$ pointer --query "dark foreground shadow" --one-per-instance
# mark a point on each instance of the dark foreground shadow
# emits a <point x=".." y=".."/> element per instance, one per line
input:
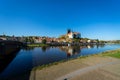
<point x="7" y="55"/>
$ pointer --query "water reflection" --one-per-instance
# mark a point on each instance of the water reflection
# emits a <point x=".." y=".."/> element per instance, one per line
<point x="45" y="48"/>
<point x="90" y="46"/>
<point x="28" y="48"/>
<point x="69" y="50"/>
<point x="100" y="46"/>
<point x="74" y="50"/>
<point x="30" y="57"/>
<point x="64" y="48"/>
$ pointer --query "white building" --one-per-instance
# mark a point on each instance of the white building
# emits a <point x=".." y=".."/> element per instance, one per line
<point x="2" y="38"/>
<point x="73" y="35"/>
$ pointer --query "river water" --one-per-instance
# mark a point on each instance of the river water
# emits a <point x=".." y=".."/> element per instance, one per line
<point x="25" y="60"/>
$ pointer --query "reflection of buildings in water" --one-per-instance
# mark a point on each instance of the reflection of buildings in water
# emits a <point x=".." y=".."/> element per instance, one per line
<point x="45" y="48"/>
<point x="100" y="45"/>
<point x="96" y="46"/>
<point x="88" y="46"/>
<point x="71" y="50"/>
<point x="28" y="48"/>
<point x="81" y="47"/>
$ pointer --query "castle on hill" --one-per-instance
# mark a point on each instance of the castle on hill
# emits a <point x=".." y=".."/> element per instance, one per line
<point x="71" y="34"/>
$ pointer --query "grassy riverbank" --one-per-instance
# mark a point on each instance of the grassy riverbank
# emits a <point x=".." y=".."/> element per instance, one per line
<point x="37" y="45"/>
<point x="113" y="53"/>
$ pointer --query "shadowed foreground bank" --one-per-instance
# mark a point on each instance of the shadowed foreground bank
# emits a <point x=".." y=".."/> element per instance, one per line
<point x="97" y="67"/>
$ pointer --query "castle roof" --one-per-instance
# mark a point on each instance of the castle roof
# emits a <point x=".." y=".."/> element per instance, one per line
<point x="76" y="33"/>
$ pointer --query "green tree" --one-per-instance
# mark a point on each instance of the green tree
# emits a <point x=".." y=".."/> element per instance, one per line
<point x="76" y="40"/>
<point x="97" y="40"/>
<point x="26" y="39"/>
<point x="44" y="41"/>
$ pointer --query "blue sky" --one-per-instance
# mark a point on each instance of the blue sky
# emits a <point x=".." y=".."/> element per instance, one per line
<point x="96" y="19"/>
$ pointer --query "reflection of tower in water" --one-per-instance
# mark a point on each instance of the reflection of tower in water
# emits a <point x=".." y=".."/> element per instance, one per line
<point x="71" y="50"/>
<point x="88" y="46"/>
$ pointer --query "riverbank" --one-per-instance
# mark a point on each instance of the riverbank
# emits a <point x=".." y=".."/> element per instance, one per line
<point x="37" y="45"/>
<point x="68" y="69"/>
<point x="63" y="44"/>
<point x="113" y="53"/>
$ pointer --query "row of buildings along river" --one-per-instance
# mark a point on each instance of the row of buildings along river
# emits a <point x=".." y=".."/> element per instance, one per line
<point x="69" y="37"/>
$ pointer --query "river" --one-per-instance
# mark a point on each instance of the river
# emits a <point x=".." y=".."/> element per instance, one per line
<point x="25" y="60"/>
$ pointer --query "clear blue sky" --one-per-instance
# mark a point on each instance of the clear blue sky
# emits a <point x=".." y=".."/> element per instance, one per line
<point x="96" y="19"/>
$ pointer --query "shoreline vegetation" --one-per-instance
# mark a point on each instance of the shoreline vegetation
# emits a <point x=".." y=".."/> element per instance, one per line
<point x="37" y="45"/>
<point x="61" y="44"/>
<point x="110" y="53"/>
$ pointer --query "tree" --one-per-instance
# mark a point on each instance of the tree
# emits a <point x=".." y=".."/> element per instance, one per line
<point x="44" y="41"/>
<point x="97" y="40"/>
<point x="26" y="39"/>
<point x="63" y="37"/>
<point x="29" y="39"/>
<point x="76" y="40"/>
